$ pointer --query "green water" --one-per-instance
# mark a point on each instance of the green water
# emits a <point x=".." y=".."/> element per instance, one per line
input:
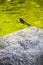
<point x="10" y="13"/>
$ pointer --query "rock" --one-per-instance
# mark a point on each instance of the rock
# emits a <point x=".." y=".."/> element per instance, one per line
<point x="24" y="47"/>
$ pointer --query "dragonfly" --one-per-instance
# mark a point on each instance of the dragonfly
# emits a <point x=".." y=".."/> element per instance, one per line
<point x="23" y="22"/>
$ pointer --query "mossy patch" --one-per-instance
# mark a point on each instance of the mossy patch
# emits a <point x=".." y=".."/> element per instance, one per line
<point x="10" y="14"/>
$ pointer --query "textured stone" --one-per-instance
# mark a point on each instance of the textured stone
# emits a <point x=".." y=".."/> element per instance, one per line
<point x="24" y="47"/>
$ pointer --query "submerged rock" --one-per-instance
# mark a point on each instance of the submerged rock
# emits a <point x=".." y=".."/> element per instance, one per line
<point x="24" y="47"/>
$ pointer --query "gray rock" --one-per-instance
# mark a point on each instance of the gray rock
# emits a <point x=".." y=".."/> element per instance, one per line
<point x="24" y="47"/>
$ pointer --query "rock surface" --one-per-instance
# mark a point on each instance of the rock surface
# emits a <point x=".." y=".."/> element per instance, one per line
<point x="24" y="47"/>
